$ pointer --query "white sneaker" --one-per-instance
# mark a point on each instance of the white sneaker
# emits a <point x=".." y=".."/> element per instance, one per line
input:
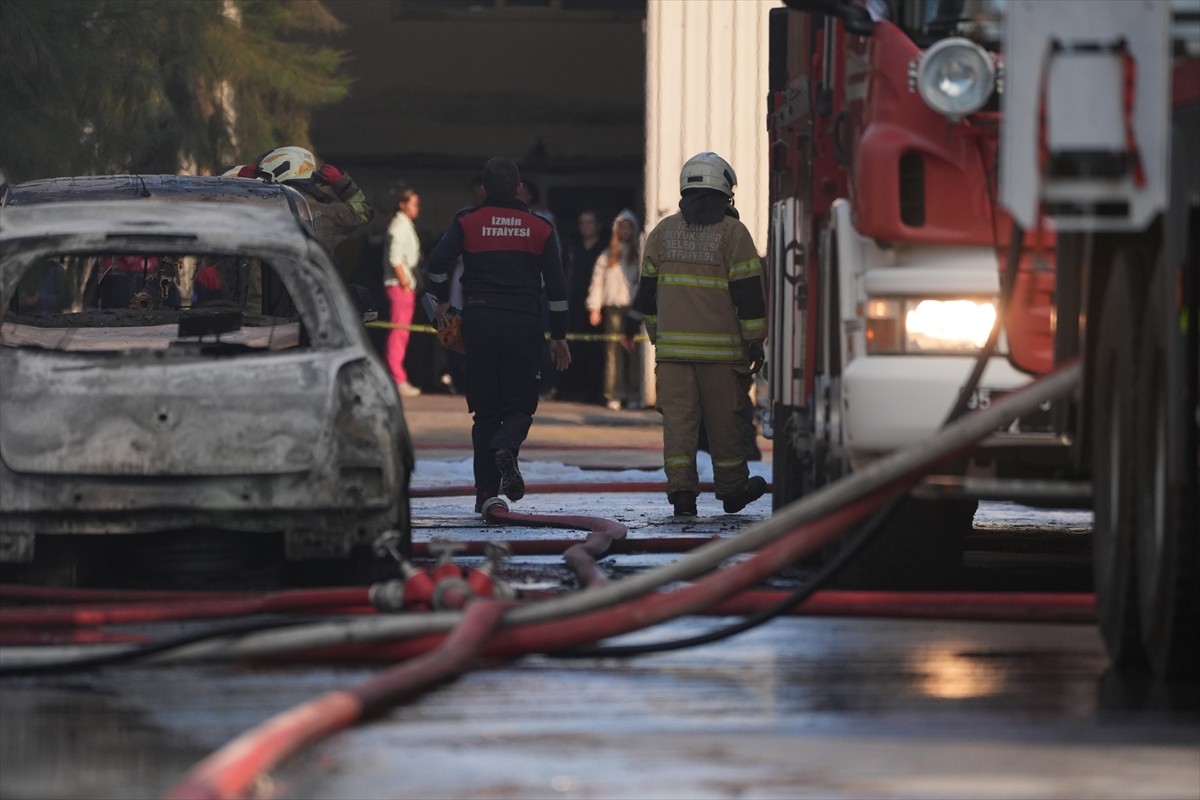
<point x="614" y="405"/>
<point x="407" y="389"/>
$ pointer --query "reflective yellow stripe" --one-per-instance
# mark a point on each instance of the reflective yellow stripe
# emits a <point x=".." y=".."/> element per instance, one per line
<point x="744" y="269"/>
<point x="665" y="353"/>
<point x="678" y="461"/>
<point x="695" y="281"/>
<point x="698" y="347"/>
<point x="649" y="270"/>
<point x="737" y="462"/>
<point x="754" y="326"/>
<point x="702" y="339"/>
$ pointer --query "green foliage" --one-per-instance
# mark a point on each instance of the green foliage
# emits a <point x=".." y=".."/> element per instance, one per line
<point x="110" y="86"/>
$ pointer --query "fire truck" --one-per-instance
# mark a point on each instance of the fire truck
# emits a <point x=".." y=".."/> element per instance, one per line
<point x="1031" y="162"/>
<point x="884" y="250"/>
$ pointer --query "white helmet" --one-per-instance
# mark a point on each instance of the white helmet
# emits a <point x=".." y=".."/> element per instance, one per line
<point x="707" y="171"/>
<point x="287" y="164"/>
<point x="233" y="171"/>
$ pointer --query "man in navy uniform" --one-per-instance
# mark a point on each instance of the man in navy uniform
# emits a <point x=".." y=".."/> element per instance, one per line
<point x="509" y="254"/>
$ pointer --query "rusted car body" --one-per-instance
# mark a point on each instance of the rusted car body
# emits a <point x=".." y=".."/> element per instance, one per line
<point x="169" y="415"/>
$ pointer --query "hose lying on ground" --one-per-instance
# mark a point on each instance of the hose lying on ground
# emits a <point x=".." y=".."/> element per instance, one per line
<point x="580" y="557"/>
<point x="234" y="769"/>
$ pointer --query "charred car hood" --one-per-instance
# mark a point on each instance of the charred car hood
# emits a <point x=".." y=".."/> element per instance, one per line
<point x="153" y="416"/>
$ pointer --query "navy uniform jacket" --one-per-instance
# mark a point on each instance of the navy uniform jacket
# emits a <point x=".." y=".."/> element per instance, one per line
<point x="509" y="254"/>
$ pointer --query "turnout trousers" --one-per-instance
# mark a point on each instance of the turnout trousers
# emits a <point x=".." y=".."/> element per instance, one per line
<point x="503" y="359"/>
<point x="689" y="392"/>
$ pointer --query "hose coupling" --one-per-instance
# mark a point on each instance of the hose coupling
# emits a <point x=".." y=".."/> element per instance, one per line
<point x="412" y="593"/>
<point x="483" y="580"/>
<point x="445" y="549"/>
<point x="387" y="596"/>
<point x="451" y="594"/>
<point x="491" y="505"/>
<point x="388" y="544"/>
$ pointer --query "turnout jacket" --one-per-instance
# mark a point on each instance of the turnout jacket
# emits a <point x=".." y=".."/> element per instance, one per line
<point x="337" y="211"/>
<point x="509" y="254"/>
<point x="702" y="294"/>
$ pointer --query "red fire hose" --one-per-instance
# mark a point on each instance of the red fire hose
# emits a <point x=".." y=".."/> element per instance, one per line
<point x="580" y="557"/>
<point x="312" y="601"/>
<point x="232" y="770"/>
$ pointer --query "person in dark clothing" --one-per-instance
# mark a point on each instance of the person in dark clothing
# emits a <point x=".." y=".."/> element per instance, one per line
<point x="508" y="253"/>
<point x="583" y="382"/>
<point x="529" y="194"/>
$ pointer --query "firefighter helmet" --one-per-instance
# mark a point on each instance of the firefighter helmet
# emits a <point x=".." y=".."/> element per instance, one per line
<point x="287" y="164"/>
<point x="707" y="171"/>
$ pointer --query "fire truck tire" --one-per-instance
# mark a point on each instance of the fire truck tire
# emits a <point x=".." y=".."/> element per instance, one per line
<point x="1110" y="390"/>
<point x="1167" y="557"/>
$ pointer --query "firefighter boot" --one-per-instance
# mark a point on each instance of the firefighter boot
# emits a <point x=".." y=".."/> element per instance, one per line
<point x="755" y="488"/>
<point x="510" y="476"/>
<point x="684" y="502"/>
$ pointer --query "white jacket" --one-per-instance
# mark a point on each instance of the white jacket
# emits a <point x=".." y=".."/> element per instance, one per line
<point x="617" y="286"/>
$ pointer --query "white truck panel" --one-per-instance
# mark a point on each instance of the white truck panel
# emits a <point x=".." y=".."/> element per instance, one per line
<point x="891" y="402"/>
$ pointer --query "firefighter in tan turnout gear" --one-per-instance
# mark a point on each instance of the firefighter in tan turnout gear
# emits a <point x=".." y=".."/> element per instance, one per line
<point x="702" y="299"/>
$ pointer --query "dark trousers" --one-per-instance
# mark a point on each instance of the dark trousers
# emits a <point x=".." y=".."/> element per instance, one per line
<point x="504" y="352"/>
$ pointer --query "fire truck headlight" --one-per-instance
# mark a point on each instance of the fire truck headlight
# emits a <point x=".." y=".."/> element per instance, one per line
<point x="956" y="77"/>
<point x="948" y="325"/>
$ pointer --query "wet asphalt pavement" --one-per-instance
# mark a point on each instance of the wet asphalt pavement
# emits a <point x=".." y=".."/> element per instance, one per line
<point x="803" y="707"/>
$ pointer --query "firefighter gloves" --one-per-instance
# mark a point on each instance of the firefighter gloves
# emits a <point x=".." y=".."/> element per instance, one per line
<point x="757" y="356"/>
<point x="330" y="174"/>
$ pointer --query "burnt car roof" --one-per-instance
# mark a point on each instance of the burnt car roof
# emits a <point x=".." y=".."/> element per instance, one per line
<point x="223" y="227"/>
<point x="174" y="188"/>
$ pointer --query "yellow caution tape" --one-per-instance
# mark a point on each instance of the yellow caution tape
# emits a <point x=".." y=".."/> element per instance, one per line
<point x="571" y="337"/>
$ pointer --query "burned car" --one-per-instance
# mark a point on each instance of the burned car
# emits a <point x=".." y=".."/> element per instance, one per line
<point x="188" y="366"/>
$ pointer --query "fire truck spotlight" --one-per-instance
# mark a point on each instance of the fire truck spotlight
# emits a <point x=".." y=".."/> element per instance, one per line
<point x="956" y="77"/>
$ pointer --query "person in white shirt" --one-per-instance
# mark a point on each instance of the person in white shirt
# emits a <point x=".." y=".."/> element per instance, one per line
<point x="403" y="253"/>
<point x="614" y="284"/>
